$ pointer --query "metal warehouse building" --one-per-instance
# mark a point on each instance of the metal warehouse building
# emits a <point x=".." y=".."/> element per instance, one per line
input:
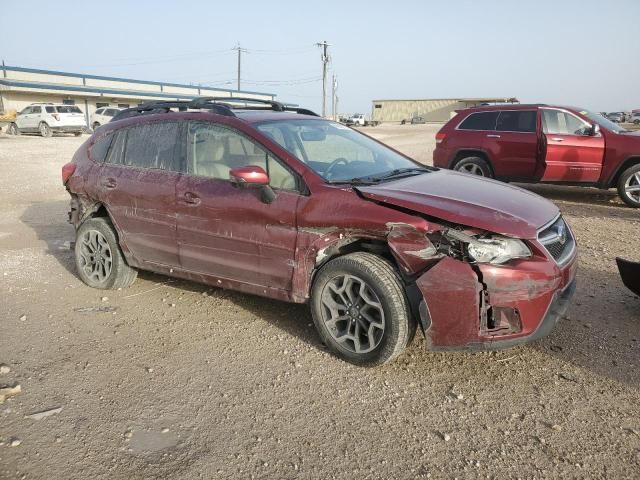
<point x="20" y="87"/>
<point x="431" y="109"/>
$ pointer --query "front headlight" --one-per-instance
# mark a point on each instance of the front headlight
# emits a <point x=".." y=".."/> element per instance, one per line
<point x="494" y="249"/>
<point x="497" y="249"/>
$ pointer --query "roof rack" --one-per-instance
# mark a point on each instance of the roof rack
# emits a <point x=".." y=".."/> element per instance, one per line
<point x="219" y="105"/>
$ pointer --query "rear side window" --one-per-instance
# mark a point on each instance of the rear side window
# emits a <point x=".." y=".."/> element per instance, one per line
<point x="100" y="149"/>
<point x="116" y="152"/>
<point x="68" y="109"/>
<point x="517" y="121"/>
<point x="50" y="109"/>
<point x="152" y="146"/>
<point x="99" y="111"/>
<point x="479" y="121"/>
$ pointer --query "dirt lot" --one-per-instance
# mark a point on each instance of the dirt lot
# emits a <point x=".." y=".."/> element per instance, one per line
<point x="176" y="380"/>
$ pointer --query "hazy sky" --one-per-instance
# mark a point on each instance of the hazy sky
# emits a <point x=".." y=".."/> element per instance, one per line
<point x="584" y="53"/>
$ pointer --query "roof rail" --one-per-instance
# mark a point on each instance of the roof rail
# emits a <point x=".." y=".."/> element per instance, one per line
<point x="164" y="106"/>
<point x="268" y="104"/>
<point x="219" y="105"/>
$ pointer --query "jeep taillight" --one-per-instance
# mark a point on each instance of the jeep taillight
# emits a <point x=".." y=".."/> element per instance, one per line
<point x="67" y="171"/>
<point x="440" y="137"/>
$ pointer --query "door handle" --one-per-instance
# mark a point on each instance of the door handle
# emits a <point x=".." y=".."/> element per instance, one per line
<point x="191" y="198"/>
<point x="493" y="136"/>
<point x="110" y="183"/>
<point x="557" y="139"/>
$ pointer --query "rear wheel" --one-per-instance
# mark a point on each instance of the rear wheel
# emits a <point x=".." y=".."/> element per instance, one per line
<point x="99" y="260"/>
<point x="95" y="125"/>
<point x="360" y="309"/>
<point x="474" y="166"/>
<point x="45" y="130"/>
<point x="629" y="186"/>
<point x="13" y="129"/>
<point x="77" y="134"/>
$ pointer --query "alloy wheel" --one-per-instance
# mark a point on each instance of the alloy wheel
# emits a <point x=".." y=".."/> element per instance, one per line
<point x="353" y="313"/>
<point x="44" y="129"/>
<point x="632" y="187"/>
<point x="471" y="168"/>
<point x="96" y="259"/>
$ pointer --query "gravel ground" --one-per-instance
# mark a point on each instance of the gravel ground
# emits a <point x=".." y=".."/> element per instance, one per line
<point x="175" y="380"/>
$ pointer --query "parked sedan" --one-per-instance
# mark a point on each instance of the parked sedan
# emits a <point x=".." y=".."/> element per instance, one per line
<point x="103" y="115"/>
<point x="287" y="205"/>
<point x="617" y="117"/>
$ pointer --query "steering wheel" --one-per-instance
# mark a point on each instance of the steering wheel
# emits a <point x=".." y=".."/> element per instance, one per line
<point x="338" y="161"/>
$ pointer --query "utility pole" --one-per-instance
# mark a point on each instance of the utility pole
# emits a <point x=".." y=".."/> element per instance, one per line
<point x="325" y="60"/>
<point x="239" y="50"/>
<point x="334" y="98"/>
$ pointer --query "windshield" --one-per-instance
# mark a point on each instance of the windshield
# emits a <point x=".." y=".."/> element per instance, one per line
<point x="603" y="121"/>
<point x="338" y="153"/>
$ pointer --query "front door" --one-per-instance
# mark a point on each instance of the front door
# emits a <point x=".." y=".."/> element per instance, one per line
<point x="26" y="119"/>
<point x="137" y="183"/>
<point x="572" y="154"/>
<point x="230" y="232"/>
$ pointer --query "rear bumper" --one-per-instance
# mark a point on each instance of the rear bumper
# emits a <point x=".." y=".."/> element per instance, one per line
<point x="67" y="128"/>
<point x="484" y="307"/>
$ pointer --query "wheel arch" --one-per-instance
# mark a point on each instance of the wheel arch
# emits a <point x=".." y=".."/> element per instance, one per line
<point x="627" y="163"/>
<point x="471" y="152"/>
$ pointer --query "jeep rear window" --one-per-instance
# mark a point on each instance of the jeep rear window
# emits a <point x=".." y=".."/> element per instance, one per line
<point x="517" y="121"/>
<point x="479" y="121"/>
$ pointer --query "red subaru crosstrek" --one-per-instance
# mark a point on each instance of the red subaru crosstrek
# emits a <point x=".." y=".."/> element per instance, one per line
<point x="542" y="143"/>
<point x="279" y="202"/>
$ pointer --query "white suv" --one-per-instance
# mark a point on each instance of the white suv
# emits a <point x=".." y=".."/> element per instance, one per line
<point x="103" y="115"/>
<point x="47" y="118"/>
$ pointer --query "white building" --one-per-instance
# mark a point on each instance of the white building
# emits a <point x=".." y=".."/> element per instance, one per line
<point x="20" y="87"/>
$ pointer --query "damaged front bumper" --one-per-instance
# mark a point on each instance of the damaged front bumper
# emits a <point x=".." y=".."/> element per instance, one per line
<point x="489" y="307"/>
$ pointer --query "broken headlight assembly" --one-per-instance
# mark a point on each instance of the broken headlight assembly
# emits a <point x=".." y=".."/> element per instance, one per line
<point x="493" y="249"/>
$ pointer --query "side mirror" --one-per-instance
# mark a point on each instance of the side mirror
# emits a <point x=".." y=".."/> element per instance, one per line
<point x="249" y="176"/>
<point x="595" y="130"/>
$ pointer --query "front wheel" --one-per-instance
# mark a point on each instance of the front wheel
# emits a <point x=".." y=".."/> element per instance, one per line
<point x="13" y="129"/>
<point x="95" y="125"/>
<point x="99" y="260"/>
<point x="45" y="130"/>
<point x="629" y="186"/>
<point x="360" y="310"/>
<point x="474" y="166"/>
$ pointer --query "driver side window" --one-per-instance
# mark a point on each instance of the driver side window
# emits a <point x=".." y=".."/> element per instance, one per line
<point x="563" y="123"/>
<point x="213" y="150"/>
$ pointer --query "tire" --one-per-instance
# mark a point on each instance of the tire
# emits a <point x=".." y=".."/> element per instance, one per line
<point x="357" y="292"/>
<point x="13" y="129"/>
<point x="95" y="125"/>
<point x="629" y="186"/>
<point x="97" y="236"/>
<point x="636" y="122"/>
<point x="45" y="130"/>
<point x="77" y="134"/>
<point x="474" y="166"/>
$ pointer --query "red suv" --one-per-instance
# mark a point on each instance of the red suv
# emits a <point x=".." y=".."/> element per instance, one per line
<point x="278" y="202"/>
<point x="542" y="143"/>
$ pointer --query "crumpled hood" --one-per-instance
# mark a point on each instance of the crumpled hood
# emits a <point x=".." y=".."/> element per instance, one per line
<point x="468" y="200"/>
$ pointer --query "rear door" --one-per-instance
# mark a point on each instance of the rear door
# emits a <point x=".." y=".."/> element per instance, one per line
<point x="137" y="183"/>
<point x="230" y="232"/>
<point x="572" y="154"/>
<point x="514" y="144"/>
<point x="477" y="131"/>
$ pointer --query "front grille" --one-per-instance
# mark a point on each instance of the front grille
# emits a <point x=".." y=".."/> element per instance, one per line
<point x="558" y="240"/>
